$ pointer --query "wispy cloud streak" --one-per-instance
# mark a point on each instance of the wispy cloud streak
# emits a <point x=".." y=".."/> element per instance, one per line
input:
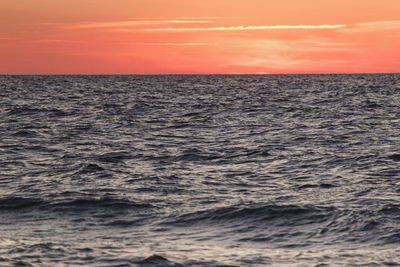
<point x="172" y="44"/>
<point x="305" y="45"/>
<point x="130" y="23"/>
<point x="247" y="28"/>
<point x="55" y="41"/>
<point x="373" y="26"/>
<point x="7" y="38"/>
<point x="179" y="18"/>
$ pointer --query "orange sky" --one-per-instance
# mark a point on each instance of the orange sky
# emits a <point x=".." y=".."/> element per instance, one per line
<point x="204" y="37"/>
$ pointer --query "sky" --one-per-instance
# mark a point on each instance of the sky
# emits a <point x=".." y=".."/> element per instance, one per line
<point x="199" y="37"/>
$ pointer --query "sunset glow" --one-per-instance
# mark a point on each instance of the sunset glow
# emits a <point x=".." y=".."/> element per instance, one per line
<point x="199" y="37"/>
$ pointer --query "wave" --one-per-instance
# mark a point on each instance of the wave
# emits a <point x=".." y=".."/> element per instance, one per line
<point x="114" y="157"/>
<point x="26" y="134"/>
<point x="394" y="157"/>
<point x="26" y="203"/>
<point x="283" y="214"/>
<point x="197" y="155"/>
<point x="24" y="110"/>
<point x="90" y="168"/>
<point x="157" y="260"/>
<point x="104" y="203"/>
<point x="17" y="203"/>
<point x="287" y="224"/>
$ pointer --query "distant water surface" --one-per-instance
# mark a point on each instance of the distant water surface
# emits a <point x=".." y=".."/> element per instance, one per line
<point x="279" y="170"/>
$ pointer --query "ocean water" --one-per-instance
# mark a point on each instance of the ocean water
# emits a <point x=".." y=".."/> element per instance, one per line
<point x="262" y="170"/>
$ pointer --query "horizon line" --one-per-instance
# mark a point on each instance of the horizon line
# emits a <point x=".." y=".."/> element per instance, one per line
<point x="195" y="74"/>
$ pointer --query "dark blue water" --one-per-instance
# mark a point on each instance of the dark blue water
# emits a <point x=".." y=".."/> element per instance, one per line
<point x="297" y="170"/>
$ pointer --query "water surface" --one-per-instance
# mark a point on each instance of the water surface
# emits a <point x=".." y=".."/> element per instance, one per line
<point x="295" y="170"/>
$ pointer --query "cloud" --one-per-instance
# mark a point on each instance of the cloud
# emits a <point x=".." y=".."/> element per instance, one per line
<point x="246" y="28"/>
<point x="180" y="18"/>
<point x="130" y="23"/>
<point x="296" y="45"/>
<point x="7" y="38"/>
<point x="54" y="41"/>
<point x="59" y="52"/>
<point x="373" y="26"/>
<point x="172" y="44"/>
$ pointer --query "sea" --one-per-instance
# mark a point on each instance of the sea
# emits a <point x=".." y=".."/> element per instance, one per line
<point x="200" y="170"/>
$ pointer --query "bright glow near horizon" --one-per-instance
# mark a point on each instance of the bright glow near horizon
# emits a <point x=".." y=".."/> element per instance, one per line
<point x="199" y="37"/>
